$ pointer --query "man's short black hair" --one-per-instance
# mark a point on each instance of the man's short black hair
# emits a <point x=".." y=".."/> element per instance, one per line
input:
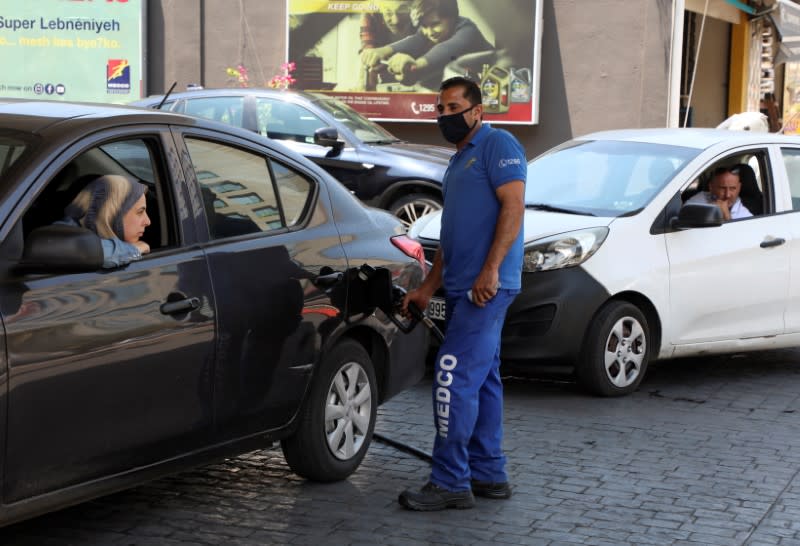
<point x="447" y="9"/>
<point x="470" y="89"/>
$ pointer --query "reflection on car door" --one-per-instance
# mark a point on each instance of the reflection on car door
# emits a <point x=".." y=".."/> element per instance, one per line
<point x="103" y="378"/>
<point x="728" y="282"/>
<point x="270" y="236"/>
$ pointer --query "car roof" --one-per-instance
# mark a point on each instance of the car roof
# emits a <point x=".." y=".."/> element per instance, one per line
<point x="70" y="119"/>
<point x="692" y="137"/>
<point x="34" y="116"/>
<point x="233" y="92"/>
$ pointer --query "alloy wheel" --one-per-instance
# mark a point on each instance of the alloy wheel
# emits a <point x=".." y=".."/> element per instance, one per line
<point x="348" y="411"/>
<point x="625" y="350"/>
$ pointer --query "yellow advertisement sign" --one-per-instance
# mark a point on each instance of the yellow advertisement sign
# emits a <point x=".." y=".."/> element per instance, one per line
<point x="791" y="99"/>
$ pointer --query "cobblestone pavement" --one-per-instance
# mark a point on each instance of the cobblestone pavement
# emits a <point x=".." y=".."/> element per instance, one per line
<point x="706" y="452"/>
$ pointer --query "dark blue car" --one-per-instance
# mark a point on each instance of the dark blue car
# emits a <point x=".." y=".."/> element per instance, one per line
<point x="379" y="168"/>
<point x="255" y="318"/>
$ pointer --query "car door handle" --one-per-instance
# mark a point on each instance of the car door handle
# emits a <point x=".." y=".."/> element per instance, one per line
<point x="778" y="241"/>
<point x="180" y="306"/>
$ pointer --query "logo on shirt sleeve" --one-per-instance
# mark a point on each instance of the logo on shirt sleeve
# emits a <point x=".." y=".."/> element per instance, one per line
<point x="505" y="162"/>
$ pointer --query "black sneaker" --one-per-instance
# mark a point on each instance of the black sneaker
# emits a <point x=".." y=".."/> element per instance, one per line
<point x="432" y="497"/>
<point x="491" y="490"/>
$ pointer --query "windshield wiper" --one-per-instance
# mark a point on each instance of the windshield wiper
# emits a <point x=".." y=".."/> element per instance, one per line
<point x="381" y="142"/>
<point x="551" y="208"/>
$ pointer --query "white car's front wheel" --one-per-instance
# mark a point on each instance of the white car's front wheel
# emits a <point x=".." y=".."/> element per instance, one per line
<point x="616" y="350"/>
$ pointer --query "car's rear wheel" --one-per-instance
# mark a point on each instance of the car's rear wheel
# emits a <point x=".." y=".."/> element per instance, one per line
<point x="338" y="418"/>
<point x="410" y="208"/>
<point x="616" y="350"/>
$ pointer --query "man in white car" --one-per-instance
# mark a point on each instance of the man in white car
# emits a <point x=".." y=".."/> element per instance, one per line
<point x="723" y="191"/>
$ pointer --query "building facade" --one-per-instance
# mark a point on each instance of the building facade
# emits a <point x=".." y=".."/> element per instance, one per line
<point x="605" y="64"/>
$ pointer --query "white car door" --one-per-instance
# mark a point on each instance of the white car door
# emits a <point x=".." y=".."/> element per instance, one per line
<point x="729" y="282"/>
<point x="787" y="195"/>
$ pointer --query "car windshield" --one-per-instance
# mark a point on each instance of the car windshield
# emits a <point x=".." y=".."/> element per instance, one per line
<point x="602" y="177"/>
<point x="133" y="156"/>
<point x="11" y="148"/>
<point x="367" y="131"/>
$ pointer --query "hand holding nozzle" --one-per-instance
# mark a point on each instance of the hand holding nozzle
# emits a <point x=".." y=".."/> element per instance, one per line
<point x="409" y="306"/>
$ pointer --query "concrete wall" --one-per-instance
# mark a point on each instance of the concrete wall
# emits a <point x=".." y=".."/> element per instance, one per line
<point x="195" y="41"/>
<point x="604" y="62"/>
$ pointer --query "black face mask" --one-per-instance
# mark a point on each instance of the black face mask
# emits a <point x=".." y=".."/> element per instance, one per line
<point x="454" y="127"/>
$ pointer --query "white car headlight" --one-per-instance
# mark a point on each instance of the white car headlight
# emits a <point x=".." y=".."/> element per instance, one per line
<point x="563" y="250"/>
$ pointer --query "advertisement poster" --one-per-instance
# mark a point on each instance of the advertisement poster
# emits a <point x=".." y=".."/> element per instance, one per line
<point x="79" y="50"/>
<point x="386" y="58"/>
<point x="791" y="99"/>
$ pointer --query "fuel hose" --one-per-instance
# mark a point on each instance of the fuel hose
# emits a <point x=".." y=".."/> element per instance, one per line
<point x="419" y="317"/>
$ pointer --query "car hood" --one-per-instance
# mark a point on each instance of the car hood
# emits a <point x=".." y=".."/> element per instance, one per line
<point x="538" y="224"/>
<point x="417" y="152"/>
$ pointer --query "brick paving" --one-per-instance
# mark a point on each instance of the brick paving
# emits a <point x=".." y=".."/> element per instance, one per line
<point x="707" y="452"/>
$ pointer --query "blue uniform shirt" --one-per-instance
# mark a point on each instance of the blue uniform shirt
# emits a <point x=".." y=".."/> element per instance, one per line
<point x="492" y="157"/>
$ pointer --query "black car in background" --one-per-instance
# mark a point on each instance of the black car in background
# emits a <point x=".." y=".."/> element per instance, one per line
<point x="379" y="168"/>
<point x="250" y="322"/>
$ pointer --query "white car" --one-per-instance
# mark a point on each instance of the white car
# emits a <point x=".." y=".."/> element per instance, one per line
<point x="618" y="272"/>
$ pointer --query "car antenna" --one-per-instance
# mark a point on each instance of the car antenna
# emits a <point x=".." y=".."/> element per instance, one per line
<point x="166" y="96"/>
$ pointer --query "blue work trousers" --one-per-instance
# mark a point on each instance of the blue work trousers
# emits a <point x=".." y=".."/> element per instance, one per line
<point x="468" y="394"/>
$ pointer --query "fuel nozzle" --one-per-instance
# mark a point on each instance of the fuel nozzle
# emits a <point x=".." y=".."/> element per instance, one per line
<point x="382" y="293"/>
<point x="398" y="294"/>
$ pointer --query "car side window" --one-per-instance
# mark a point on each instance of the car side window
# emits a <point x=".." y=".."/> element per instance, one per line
<point x="791" y="160"/>
<point x="136" y="158"/>
<point x="10" y="150"/>
<point x="295" y="192"/>
<point x="286" y="121"/>
<point x="225" y="109"/>
<point x="239" y="190"/>
<point x="751" y="168"/>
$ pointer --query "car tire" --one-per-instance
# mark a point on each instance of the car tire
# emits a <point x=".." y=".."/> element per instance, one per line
<point x="338" y="417"/>
<point x="410" y="208"/>
<point x="616" y="350"/>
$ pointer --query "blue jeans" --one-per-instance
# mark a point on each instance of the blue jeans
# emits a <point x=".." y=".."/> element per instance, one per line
<point x="468" y="394"/>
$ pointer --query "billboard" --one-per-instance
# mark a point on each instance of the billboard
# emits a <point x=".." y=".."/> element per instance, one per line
<point x="386" y="58"/>
<point x="79" y="50"/>
<point x="791" y="99"/>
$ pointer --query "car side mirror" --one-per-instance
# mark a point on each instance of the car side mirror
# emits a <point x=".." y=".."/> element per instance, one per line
<point x="61" y="248"/>
<point x="697" y="215"/>
<point x="329" y="137"/>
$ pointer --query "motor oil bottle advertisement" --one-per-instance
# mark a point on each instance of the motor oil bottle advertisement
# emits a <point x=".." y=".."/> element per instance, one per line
<point x="387" y="58"/>
<point x="81" y="50"/>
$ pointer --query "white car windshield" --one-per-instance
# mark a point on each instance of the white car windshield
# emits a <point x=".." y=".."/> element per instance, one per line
<point x="602" y="177"/>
